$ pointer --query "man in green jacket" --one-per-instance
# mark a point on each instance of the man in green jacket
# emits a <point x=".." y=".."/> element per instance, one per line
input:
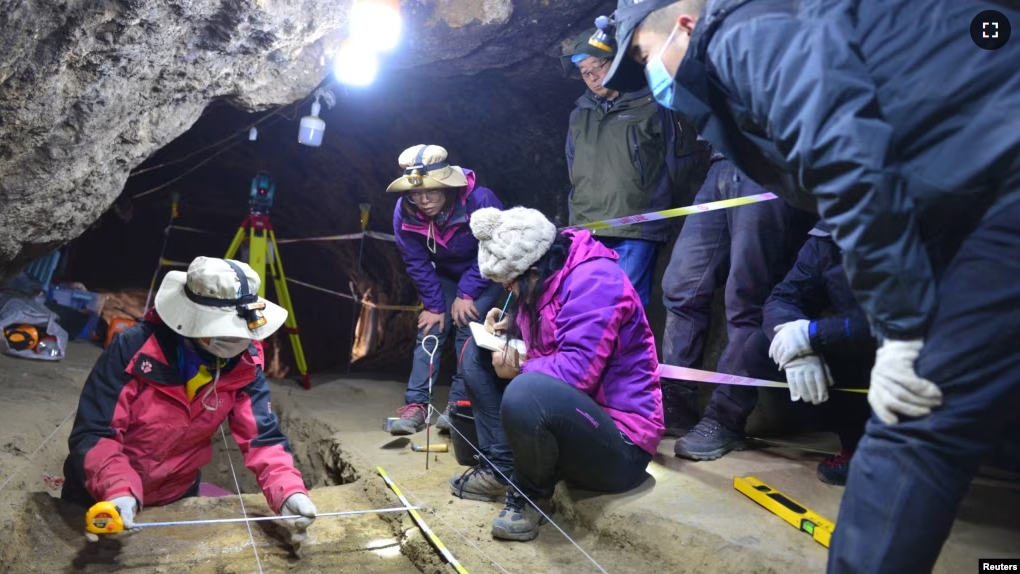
<point x="627" y="155"/>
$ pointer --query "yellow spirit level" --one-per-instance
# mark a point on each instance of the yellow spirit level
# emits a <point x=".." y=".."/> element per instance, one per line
<point x="786" y="508"/>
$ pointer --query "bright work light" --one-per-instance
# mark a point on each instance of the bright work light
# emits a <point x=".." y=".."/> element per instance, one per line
<point x="355" y="64"/>
<point x="376" y="24"/>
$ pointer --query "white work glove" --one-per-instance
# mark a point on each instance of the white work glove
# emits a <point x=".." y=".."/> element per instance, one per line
<point x="895" y="387"/>
<point x="299" y="503"/>
<point x="127" y="507"/>
<point x="809" y="379"/>
<point x="791" y="341"/>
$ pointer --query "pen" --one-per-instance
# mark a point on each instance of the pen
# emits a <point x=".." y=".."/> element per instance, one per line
<point x="504" y="307"/>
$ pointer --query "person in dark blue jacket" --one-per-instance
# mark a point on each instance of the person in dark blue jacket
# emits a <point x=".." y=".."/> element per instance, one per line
<point x="903" y="133"/>
<point x="821" y="338"/>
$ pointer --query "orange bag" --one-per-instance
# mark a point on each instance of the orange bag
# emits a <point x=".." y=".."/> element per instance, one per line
<point x="117" y="325"/>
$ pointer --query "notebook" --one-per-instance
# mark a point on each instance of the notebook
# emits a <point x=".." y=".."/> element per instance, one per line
<point x="487" y="340"/>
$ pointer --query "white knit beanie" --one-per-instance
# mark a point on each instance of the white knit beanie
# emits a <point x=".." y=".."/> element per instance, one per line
<point x="511" y="241"/>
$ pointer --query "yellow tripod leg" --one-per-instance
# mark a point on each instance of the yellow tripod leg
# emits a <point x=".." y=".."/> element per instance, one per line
<point x="257" y="250"/>
<point x="235" y="244"/>
<point x="786" y="508"/>
<point x="280" y="281"/>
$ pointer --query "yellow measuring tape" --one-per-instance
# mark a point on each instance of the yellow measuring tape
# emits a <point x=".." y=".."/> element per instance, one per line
<point x="786" y="508"/>
<point x="676" y="212"/>
<point x="421" y="523"/>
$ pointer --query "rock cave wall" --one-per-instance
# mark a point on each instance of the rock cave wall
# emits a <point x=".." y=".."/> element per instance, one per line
<point x="89" y="89"/>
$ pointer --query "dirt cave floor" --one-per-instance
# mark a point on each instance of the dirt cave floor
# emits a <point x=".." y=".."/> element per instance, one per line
<point x="686" y="518"/>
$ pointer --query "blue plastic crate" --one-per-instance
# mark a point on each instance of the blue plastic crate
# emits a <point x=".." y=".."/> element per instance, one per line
<point x="42" y="269"/>
<point x="85" y="302"/>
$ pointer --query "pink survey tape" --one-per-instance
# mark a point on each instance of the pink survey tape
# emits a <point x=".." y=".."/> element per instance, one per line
<point x="688" y="374"/>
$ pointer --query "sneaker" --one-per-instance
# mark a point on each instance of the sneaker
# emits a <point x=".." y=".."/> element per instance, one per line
<point x="478" y="483"/>
<point x="680" y="409"/>
<point x="443" y="424"/>
<point x="834" y="470"/>
<point x="412" y="419"/>
<point x="518" y="520"/>
<point x="708" y="440"/>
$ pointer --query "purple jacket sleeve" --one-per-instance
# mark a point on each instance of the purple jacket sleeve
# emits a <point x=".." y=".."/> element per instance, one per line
<point x="594" y="306"/>
<point x="472" y="283"/>
<point x="419" y="266"/>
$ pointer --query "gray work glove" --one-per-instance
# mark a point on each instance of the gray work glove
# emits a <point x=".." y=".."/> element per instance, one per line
<point x="895" y="387"/>
<point x="809" y="379"/>
<point x="792" y="340"/>
<point x="299" y="503"/>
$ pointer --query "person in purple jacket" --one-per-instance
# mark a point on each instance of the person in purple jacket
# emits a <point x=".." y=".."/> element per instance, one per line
<point x="430" y="225"/>
<point x="584" y="402"/>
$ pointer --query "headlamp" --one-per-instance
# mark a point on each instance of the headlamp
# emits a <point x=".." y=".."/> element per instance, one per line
<point x="252" y="313"/>
<point x="414" y="174"/>
<point x="604" y="37"/>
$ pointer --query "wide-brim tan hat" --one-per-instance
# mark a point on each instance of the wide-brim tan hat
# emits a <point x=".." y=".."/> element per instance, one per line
<point x="203" y="302"/>
<point x="425" y="167"/>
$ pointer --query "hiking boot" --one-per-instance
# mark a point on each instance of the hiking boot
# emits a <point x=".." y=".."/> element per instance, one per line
<point x="680" y="409"/>
<point x="518" y="520"/>
<point x="443" y="424"/>
<point x="708" y="440"/>
<point x="834" y="470"/>
<point x="478" y="483"/>
<point x="412" y="420"/>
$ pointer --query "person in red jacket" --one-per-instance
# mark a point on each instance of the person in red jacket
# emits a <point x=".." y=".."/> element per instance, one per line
<point x="151" y="406"/>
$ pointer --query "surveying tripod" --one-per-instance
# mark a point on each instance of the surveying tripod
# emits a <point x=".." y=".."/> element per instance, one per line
<point x="262" y="249"/>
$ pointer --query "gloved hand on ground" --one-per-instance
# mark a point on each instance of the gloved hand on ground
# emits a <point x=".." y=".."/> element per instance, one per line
<point x="895" y="387"/>
<point x="127" y="507"/>
<point x="299" y="504"/>
<point x="792" y="340"/>
<point x="809" y="379"/>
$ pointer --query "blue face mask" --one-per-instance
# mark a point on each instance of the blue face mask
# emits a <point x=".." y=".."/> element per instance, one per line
<point x="660" y="81"/>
